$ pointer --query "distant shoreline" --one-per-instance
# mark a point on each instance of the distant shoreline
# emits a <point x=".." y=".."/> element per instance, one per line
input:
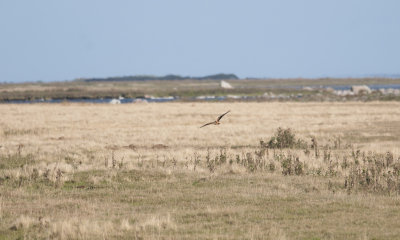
<point x="194" y="89"/>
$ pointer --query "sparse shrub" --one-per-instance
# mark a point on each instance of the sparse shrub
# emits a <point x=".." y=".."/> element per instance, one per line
<point x="237" y="158"/>
<point x="250" y="163"/>
<point x="58" y="178"/>
<point x="287" y="168"/>
<point x="300" y="143"/>
<point x="345" y="164"/>
<point x="389" y="159"/>
<point x="263" y="144"/>
<point x="113" y="160"/>
<point x="222" y="156"/>
<point x="337" y="143"/>
<point x="211" y="166"/>
<point x="284" y="138"/>
<point x="292" y="166"/>
<point x="396" y="168"/>
<point x="314" y="146"/>
<point x="331" y="168"/>
<point x="327" y="154"/>
<point x="20" y="147"/>
<point x="356" y="155"/>
<point x="370" y="173"/>
<point x="121" y="164"/>
<point x="210" y="163"/>
<point x="272" y="167"/>
<point x="46" y="174"/>
<point x="13" y="132"/>
<point x="35" y="174"/>
<point x="263" y="148"/>
<point x="196" y="161"/>
<point x="298" y="167"/>
<point x="106" y="161"/>
<point x="174" y="162"/>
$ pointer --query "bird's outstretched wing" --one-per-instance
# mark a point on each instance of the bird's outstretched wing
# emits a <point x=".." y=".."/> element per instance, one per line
<point x="219" y="118"/>
<point x="207" y="124"/>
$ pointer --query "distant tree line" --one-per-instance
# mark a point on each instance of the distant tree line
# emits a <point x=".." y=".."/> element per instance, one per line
<point x="220" y="76"/>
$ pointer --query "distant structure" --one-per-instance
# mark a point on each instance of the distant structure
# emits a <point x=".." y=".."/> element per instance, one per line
<point x="115" y="101"/>
<point x="390" y="91"/>
<point x="226" y="85"/>
<point x="308" y="88"/>
<point x="360" y="89"/>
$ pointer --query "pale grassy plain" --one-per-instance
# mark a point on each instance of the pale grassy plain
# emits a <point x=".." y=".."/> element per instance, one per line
<point x="129" y="171"/>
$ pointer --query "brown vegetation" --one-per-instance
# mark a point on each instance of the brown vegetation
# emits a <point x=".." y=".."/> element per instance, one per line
<point x="146" y="171"/>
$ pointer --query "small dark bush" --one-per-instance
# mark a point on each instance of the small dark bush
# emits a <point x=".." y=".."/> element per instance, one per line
<point x="285" y="138"/>
<point x="292" y="166"/>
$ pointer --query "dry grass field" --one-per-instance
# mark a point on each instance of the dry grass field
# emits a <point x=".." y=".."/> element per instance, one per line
<point x="147" y="171"/>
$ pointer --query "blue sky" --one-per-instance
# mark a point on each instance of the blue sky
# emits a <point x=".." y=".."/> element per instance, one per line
<point x="51" y="40"/>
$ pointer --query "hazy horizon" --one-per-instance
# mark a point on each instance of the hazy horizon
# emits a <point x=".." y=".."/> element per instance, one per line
<point x="62" y="41"/>
<point x="383" y="76"/>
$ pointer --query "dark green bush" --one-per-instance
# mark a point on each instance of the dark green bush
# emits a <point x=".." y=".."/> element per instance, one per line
<point x="285" y="138"/>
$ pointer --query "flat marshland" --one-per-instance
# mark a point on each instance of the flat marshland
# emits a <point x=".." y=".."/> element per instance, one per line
<point x="147" y="171"/>
<point x="188" y="90"/>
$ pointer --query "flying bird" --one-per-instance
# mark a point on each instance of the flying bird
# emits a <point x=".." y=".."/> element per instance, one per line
<point x="217" y="121"/>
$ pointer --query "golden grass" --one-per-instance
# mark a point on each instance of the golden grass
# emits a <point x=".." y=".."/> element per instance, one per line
<point x="129" y="171"/>
<point x="176" y="124"/>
